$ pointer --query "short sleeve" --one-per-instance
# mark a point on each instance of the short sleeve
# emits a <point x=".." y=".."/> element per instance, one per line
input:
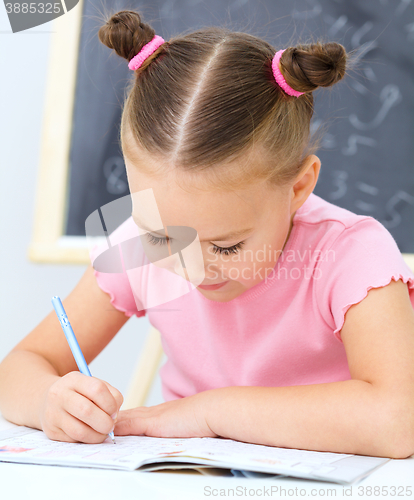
<point x="362" y="257"/>
<point x="116" y="284"/>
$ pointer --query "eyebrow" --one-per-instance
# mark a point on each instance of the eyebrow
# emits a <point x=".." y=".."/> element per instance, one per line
<point x="223" y="237"/>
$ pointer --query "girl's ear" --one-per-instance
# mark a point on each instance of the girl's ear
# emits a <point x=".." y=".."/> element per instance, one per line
<point x="306" y="181"/>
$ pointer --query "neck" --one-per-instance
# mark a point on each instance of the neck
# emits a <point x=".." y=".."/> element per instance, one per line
<point x="290" y="229"/>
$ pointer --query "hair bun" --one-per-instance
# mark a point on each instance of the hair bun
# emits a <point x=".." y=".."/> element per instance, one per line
<point x="125" y="33"/>
<point x="307" y="67"/>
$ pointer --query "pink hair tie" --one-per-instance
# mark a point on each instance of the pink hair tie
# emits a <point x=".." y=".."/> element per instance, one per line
<point x="279" y="77"/>
<point x="145" y="52"/>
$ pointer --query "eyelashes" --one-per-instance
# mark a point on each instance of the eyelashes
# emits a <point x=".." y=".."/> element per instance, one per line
<point x="227" y="251"/>
<point x="153" y="240"/>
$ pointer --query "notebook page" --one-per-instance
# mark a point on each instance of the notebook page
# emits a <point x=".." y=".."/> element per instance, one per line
<point x="334" y="467"/>
<point x="129" y="452"/>
<point x="27" y="445"/>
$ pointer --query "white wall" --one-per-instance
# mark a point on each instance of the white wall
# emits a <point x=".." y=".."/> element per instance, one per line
<point x="25" y="287"/>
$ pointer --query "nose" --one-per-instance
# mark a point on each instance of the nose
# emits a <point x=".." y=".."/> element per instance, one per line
<point x="190" y="267"/>
<point x="192" y="270"/>
<point x="213" y="274"/>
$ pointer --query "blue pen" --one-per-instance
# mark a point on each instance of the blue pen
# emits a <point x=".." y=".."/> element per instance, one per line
<point x="73" y="343"/>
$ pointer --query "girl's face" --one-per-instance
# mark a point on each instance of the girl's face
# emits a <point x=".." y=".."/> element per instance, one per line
<point x="241" y="232"/>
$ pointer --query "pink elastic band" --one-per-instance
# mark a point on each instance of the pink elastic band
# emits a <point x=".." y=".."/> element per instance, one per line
<point x="279" y="77"/>
<point x="145" y="52"/>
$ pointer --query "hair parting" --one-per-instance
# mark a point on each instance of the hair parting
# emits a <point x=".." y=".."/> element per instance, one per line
<point x="207" y="101"/>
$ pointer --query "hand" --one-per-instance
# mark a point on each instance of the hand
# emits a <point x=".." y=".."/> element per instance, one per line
<point x="78" y="408"/>
<point x="183" y="417"/>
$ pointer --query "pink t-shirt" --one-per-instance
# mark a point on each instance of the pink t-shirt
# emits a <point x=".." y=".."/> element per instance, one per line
<point x="286" y="329"/>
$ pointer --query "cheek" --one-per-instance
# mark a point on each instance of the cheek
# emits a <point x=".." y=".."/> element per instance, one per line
<point x="209" y="256"/>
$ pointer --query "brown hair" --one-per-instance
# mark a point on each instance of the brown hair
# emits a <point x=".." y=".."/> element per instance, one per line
<point x="208" y="98"/>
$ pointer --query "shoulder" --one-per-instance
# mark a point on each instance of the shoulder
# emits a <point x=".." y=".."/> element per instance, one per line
<point x="318" y="211"/>
<point x="125" y="231"/>
<point x="326" y="225"/>
<point x="351" y="253"/>
<point x="113" y="256"/>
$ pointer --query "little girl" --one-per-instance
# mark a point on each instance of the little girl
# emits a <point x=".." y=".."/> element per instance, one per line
<point x="299" y="331"/>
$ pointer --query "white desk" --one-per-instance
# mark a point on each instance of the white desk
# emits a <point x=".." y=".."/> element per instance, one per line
<point x="43" y="482"/>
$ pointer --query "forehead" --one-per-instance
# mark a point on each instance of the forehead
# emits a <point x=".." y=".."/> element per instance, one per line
<point x="182" y="199"/>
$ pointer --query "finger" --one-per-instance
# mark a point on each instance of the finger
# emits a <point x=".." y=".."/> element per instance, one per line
<point x="78" y="431"/>
<point x="135" y="422"/>
<point x="95" y="390"/>
<point x="57" y="434"/>
<point x="85" y="410"/>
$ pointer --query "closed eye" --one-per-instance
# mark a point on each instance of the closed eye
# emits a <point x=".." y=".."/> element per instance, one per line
<point x="153" y="240"/>
<point x="228" y="250"/>
<point x="156" y="241"/>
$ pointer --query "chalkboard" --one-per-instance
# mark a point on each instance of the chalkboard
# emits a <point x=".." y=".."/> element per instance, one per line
<point x="367" y="151"/>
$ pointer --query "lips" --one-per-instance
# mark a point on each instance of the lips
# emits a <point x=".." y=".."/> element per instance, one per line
<point x="212" y="287"/>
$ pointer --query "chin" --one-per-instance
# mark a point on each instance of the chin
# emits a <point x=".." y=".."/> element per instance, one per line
<point x="223" y="295"/>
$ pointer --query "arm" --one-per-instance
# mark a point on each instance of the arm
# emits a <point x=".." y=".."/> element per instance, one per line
<point x="372" y="414"/>
<point x="44" y="356"/>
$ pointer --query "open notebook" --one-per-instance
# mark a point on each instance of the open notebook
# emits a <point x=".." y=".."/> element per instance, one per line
<point x="26" y="445"/>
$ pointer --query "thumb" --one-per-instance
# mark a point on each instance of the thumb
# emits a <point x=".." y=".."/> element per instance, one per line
<point x="133" y="422"/>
